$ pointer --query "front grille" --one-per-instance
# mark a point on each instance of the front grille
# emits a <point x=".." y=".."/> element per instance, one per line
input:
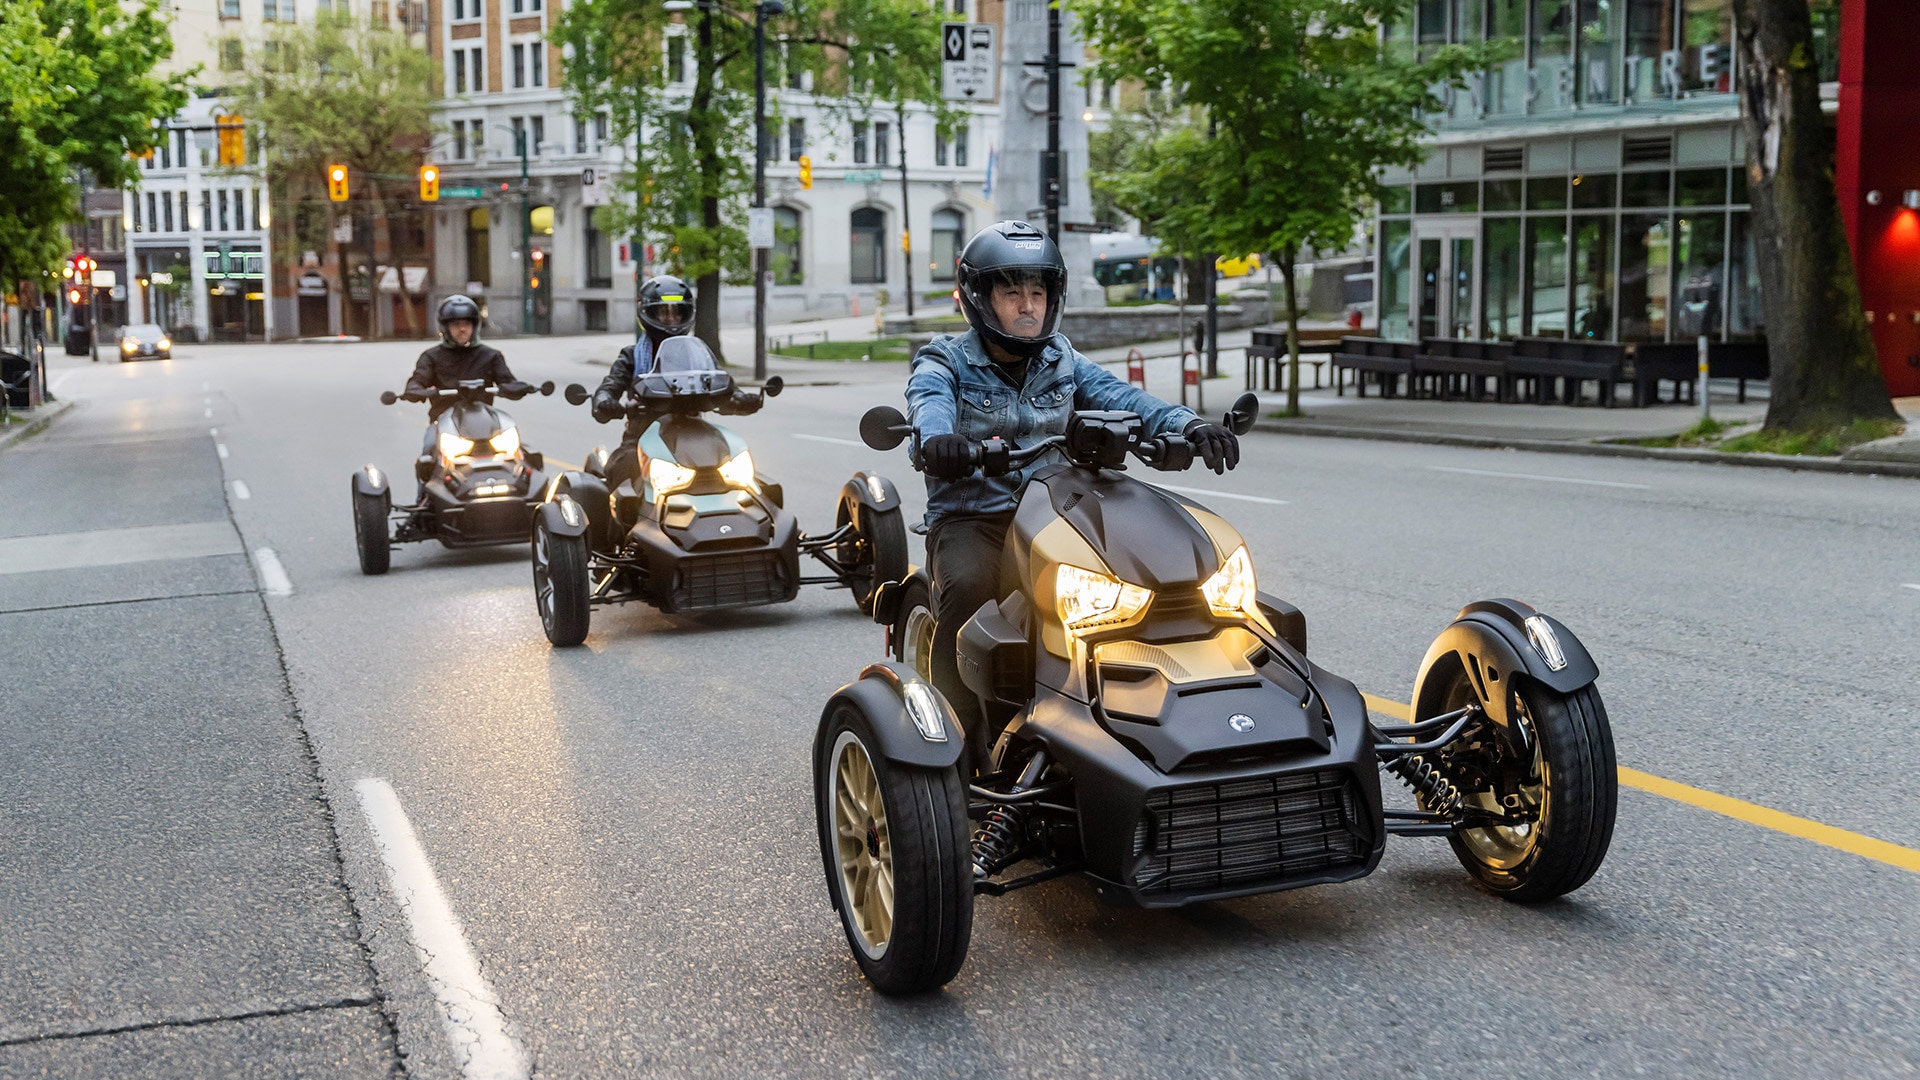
<point x="723" y="581"/>
<point x="1267" y="830"/>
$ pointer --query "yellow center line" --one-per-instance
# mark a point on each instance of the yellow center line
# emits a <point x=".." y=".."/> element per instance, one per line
<point x="1905" y="858"/>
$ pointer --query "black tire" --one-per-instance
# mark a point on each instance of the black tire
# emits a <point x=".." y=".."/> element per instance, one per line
<point x="560" y="588"/>
<point x="370" y="533"/>
<point x="915" y="939"/>
<point x="878" y="555"/>
<point x="913" y="628"/>
<point x="1575" y="791"/>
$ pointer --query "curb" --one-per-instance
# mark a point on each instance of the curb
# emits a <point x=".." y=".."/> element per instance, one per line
<point x="37" y="425"/>
<point x="1595" y="449"/>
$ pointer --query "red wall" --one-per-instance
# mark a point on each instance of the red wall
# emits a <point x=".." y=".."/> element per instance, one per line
<point x="1879" y="150"/>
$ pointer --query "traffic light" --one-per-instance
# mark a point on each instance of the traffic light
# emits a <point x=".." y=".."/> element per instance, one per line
<point x="806" y="173"/>
<point x="429" y="183"/>
<point x="337" y="183"/>
<point x="233" y="139"/>
<point x="73" y="297"/>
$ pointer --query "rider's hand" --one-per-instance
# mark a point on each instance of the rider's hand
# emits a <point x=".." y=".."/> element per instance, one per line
<point x="745" y="403"/>
<point x="1219" y="447"/>
<point x="605" y="408"/>
<point x="947" y="457"/>
<point x="411" y="395"/>
<point x="515" y="390"/>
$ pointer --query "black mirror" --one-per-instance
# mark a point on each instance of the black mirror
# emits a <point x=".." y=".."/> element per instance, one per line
<point x="388" y="397"/>
<point x="576" y="394"/>
<point x="1240" y="418"/>
<point x="773" y="386"/>
<point x="883" y="427"/>
<point x="546" y="388"/>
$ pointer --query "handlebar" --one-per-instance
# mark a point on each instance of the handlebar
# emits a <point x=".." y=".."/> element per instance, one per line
<point x="577" y="394"/>
<point x="467" y="388"/>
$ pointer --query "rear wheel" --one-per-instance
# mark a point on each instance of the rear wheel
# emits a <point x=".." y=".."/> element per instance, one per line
<point x="1555" y="769"/>
<point x="877" y="552"/>
<point x="895" y="841"/>
<point x="560" y="586"/>
<point x="370" y="534"/>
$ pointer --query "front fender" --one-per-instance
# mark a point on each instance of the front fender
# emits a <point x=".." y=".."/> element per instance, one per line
<point x="879" y="696"/>
<point x="591" y="493"/>
<point x="1492" y="640"/>
<point x="871" y="491"/>
<point x="370" y="481"/>
<point x="561" y="516"/>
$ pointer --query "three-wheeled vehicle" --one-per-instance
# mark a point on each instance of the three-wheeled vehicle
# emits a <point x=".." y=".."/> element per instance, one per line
<point x="1151" y="720"/>
<point x="703" y="529"/>
<point x="478" y="484"/>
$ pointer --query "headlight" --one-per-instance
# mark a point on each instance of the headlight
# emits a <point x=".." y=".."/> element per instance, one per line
<point x="1231" y="590"/>
<point x="507" y="443"/>
<point x="1088" y="600"/>
<point x="738" y="471"/>
<point x="667" y="478"/>
<point x="129" y="344"/>
<point x="453" y="446"/>
<point x="166" y="343"/>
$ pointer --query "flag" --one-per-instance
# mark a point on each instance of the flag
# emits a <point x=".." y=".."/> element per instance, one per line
<point x="986" y="186"/>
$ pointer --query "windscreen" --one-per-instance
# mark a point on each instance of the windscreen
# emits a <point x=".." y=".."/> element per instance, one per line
<point x="684" y="365"/>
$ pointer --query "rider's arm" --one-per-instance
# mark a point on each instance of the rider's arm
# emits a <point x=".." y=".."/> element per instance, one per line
<point x="741" y="403"/>
<point x="932" y="392"/>
<point x="499" y="375"/>
<point x="1097" y="388"/>
<point x="619" y="378"/>
<point x="421" y="383"/>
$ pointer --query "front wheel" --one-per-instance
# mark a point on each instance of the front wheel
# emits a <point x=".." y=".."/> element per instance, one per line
<point x="895" y="842"/>
<point x="370" y="534"/>
<point x="1553" y="769"/>
<point x="560" y="587"/>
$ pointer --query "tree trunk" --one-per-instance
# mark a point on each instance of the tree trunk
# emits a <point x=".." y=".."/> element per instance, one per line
<point x="706" y="295"/>
<point x="1293" y="340"/>
<point x="1824" y="370"/>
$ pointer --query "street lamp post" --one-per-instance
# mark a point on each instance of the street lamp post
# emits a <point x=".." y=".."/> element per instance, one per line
<point x="526" y="229"/>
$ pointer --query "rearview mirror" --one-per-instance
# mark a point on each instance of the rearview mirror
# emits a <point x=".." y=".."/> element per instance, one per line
<point x="1240" y="418"/>
<point x="388" y="397"/>
<point x="883" y="427"/>
<point x="576" y="394"/>
<point x="546" y="388"/>
<point x="773" y="386"/>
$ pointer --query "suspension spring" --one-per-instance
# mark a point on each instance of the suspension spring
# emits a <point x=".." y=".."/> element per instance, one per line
<point x="997" y="842"/>
<point x="1436" y="791"/>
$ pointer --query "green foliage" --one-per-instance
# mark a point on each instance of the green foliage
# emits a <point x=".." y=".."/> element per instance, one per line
<point x="77" y="92"/>
<point x="1819" y="442"/>
<point x="888" y="349"/>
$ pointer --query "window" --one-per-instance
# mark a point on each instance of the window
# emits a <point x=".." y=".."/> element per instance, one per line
<point x="186" y="220"/>
<point x="1501" y="315"/>
<point x="166" y="205"/>
<point x="881" y="151"/>
<point x="677" y="58"/>
<point x="599" y="248"/>
<point x="1593" y="277"/>
<point x="153" y="215"/>
<point x="599" y="130"/>
<point x="539" y="135"/>
<point x="539" y="51"/>
<point x="477" y="131"/>
<point x="520" y="136"/>
<point x="939" y="149"/>
<point x="231" y="55"/>
<point x="859" y="142"/>
<point x="949" y="232"/>
<point x="1546" y="266"/>
<point x="459" y="140"/>
<point x="595" y="314"/>
<point x="960" y="146"/>
<point x="579" y="134"/>
<point x="869" y="246"/>
<point x="785" y="257"/>
<point x="479" y="69"/>
<point x="796" y="139"/>
<point x="459" y="71"/>
<point x="270" y="10"/>
<point x="479" y="251"/>
<point x="519" y="6"/>
<point x="519" y="67"/>
<point x="229" y="9"/>
<point x="136" y="212"/>
<point x="223" y="210"/>
<point x="166" y="150"/>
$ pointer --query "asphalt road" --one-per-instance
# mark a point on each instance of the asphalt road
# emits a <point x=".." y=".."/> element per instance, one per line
<point x="622" y="833"/>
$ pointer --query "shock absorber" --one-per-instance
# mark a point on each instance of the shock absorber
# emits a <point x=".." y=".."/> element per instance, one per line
<point x="997" y="842"/>
<point x="1435" y="790"/>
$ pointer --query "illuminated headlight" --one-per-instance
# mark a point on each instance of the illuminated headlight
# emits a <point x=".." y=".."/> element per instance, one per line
<point x="507" y="443"/>
<point x="666" y="477"/>
<point x="129" y="344"/>
<point x="453" y="446"/>
<point x="1231" y="590"/>
<point x="738" y="472"/>
<point x="166" y="343"/>
<point x="1088" y="600"/>
<point x="924" y="711"/>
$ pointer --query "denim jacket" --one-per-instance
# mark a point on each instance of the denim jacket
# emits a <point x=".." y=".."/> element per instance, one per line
<point x="954" y="389"/>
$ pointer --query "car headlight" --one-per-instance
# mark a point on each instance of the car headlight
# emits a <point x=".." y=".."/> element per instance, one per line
<point x="129" y="344"/>
<point x="1230" y="592"/>
<point x="738" y="472"/>
<point x="453" y="446"/>
<point x="507" y="443"/>
<point x="166" y="343"/>
<point x="667" y="478"/>
<point x="1088" y="599"/>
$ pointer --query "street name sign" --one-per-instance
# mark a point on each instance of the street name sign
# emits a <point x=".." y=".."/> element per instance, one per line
<point x="967" y="61"/>
<point x="461" y="193"/>
<point x="867" y="176"/>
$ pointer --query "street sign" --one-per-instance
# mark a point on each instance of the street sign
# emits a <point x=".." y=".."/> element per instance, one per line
<point x="760" y="227"/>
<point x="343" y="231"/>
<point x="593" y="188"/>
<point x="968" y="61"/>
<point x="461" y="193"/>
<point x="865" y="176"/>
<point x="1079" y="226"/>
<point x="105" y="279"/>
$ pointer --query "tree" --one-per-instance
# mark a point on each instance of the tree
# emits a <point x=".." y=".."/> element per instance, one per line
<point x="77" y="93"/>
<point x="696" y="132"/>
<point x="1825" y="374"/>
<point x="339" y="91"/>
<point x="1302" y="105"/>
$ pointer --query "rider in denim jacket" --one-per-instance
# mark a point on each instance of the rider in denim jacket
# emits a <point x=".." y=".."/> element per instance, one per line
<point x="1012" y="375"/>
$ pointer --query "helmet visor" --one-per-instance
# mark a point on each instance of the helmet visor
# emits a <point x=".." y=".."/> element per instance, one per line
<point x="668" y="315"/>
<point x="1021" y="302"/>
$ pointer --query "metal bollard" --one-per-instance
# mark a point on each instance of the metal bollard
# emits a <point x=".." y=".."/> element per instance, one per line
<point x="1706" y="407"/>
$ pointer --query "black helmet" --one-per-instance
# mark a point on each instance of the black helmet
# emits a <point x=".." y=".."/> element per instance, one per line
<point x="455" y="307"/>
<point x="666" y="305"/>
<point x="1011" y="253"/>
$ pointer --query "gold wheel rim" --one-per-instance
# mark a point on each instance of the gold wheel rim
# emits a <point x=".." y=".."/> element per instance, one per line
<point x="863" y="850"/>
<point x="1505" y="847"/>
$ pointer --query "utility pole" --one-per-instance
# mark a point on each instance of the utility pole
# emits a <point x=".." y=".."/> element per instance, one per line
<point x="760" y="255"/>
<point x="906" y="219"/>
<point x="526" y="236"/>
<point x="1052" y="170"/>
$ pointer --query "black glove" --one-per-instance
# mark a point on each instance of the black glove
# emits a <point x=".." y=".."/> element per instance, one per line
<point x="413" y="395"/>
<point x="514" y="390"/>
<point x="606" y="408"/>
<point x="1219" y="447"/>
<point x="745" y="402"/>
<point x="947" y="457"/>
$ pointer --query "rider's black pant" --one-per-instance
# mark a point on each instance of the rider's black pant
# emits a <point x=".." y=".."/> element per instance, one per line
<point x="624" y="464"/>
<point x="963" y="557"/>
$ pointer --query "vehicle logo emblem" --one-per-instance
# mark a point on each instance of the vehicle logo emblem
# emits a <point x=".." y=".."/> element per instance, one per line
<point x="1240" y="722"/>
<point x="725" y="529"/>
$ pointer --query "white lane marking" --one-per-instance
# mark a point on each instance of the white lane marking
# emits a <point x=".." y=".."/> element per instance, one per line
<point x="208" y="413"/>
<point x="273" y="576"/>
<point x="1536" y="476"/>
<point x="214" y="431"/>
<point x="206" y="386"/>
<point x="1910" y="586"/>
<point x="115" y="547"/>
<point x="831" y="439"/>
<point x="222" y="448"/>
<point x="1212" y="494"/>
<point x="240" y="490"/>
<point x="468" y="1007"/>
